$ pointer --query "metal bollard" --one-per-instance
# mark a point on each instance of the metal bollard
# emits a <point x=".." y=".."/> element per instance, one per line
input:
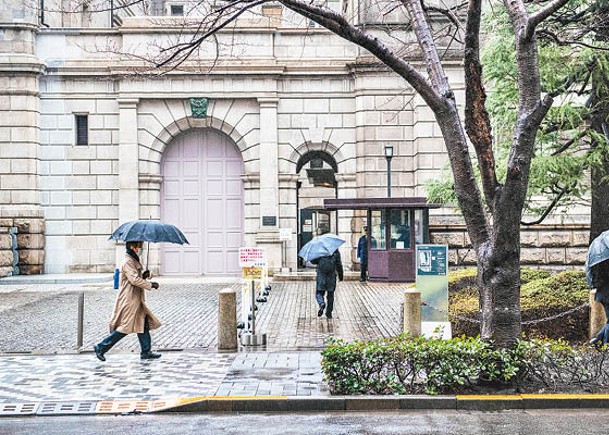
<point x="412" y="312"/>
<point x="81" y="316"/>
<point x="227" y="320"/>
<point x="597" y="315"/>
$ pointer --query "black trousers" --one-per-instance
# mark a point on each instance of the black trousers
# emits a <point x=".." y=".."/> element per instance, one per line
<point x="363" y="274"/>
<point x="319" y="296"/>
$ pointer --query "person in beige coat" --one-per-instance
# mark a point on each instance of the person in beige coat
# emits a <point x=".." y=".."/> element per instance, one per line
<point x="131" y="315"/>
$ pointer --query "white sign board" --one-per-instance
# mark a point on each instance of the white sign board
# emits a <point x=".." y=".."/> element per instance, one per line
<point x="285" y="234"/>
<point x="252" y="257"/>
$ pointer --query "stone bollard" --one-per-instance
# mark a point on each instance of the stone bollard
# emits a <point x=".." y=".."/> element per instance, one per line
<point x="227" y="320"/>
<point x="412" y="312"/>
<point x="597" y="315"/>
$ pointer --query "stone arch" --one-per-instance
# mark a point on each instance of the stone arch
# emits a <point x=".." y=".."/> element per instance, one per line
<point x="163" y="138"/>
<point x="308" y="150"/>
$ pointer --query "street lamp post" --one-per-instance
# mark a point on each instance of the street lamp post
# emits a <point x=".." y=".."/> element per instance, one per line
<point x="388" y="156"/>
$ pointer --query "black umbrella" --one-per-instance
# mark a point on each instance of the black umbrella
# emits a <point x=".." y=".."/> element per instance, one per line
<point x="148" y="231"/>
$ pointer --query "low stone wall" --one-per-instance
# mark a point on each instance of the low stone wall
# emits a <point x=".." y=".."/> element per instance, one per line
<point x="21" y="243"/>
<point x="548" y="246"/>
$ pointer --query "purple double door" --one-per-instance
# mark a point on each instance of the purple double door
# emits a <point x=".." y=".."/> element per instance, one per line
<point x="202" y="194"/>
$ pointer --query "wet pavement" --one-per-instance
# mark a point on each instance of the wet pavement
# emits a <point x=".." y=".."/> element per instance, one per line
<point x="43" y="373"/>
<point x="40" y="363"/>
<point x="44" y="318"/>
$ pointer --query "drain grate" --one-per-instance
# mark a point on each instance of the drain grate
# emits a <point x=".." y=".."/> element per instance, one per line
<point x="57" y="408"/>
<point x="122" y="406"/>
<point x="18" y="408"/>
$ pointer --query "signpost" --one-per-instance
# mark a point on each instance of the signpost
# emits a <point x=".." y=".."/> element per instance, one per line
<point x="432" y="282"/>
<point x="253" y="264"/>
<point x="285" y="235"/>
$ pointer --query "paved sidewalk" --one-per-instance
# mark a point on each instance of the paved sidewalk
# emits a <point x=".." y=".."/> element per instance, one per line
<point x="42" y="372"/>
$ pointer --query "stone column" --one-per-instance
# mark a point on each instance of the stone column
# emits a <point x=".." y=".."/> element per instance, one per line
<point x="347" y="188"/>
<point x="128" y="165"/>
<point x="21" y="217"/>
<point x="227" y="320"/>
<point x="288" y="218"/>
<point x="412" y="312"/>
<point x="268" y="234"/>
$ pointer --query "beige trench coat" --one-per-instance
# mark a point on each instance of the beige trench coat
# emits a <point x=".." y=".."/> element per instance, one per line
<point x="130" y="309"/>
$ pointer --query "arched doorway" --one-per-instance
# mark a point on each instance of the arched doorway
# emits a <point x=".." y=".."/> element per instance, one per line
<point x="316" y="181"/>
<point x="202" y="194"/>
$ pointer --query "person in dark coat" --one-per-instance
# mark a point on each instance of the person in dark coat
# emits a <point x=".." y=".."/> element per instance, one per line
<point x="328" y="268"/>
<point x="600" y="281"/>
<point x="362" y="254"/>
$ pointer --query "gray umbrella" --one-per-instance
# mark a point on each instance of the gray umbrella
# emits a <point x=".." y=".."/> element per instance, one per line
<point x="597" y="253"/>
<point x="148" y="231"/>
<point x="320" y="246"/>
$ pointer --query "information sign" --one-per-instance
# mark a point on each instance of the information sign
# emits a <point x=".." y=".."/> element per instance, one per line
<point x="252" y="257"/>
<point x="432" y="281"/>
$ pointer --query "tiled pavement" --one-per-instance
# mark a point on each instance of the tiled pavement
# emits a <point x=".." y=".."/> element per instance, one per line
<point x="39" y="361"/>
<point x="44" y="318"/>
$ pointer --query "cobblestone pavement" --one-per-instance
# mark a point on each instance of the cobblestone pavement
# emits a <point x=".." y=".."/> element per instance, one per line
<point x="44" y="320"/>
<point x="39" y="361"/>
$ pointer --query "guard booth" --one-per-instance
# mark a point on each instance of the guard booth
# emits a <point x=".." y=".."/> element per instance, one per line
<point x="395" y="226"/>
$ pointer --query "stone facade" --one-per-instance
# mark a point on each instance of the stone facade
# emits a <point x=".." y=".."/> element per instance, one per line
<point x="281" y="91"/>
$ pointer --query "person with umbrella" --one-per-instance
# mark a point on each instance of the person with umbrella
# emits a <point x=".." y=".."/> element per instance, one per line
<point x="597" y="275"/>
<point x="323" y="252"/>
<point x="131" y="315"/>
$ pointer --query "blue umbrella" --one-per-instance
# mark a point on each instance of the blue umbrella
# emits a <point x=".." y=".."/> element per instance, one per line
<point x="148" y="231"/>
<point x="597" y="253"/>
<point x="320" y="246"/>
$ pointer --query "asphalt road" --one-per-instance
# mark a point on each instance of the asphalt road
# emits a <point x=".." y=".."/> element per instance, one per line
<point x="546" y="422"/>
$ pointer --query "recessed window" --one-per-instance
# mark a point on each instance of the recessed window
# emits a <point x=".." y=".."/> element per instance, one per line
<point x="82" y="129"/>
<point x="176" y="10"/>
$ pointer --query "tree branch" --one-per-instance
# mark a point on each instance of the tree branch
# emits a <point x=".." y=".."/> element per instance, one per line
<point x="477" y="121"/>
<point x="536" y="18"/>
<point x="550" y="207"/>
<point x="337" y="24"/>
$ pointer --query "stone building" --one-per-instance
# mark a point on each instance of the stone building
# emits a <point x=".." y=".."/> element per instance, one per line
<point x="244" y="138"/>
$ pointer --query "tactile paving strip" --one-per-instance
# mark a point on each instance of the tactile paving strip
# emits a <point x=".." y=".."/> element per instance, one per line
<point x="73" y="407"/>
<point x="18" y="408"/>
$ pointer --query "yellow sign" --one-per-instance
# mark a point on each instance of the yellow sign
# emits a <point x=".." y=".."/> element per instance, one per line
<point x="252" y="272"/>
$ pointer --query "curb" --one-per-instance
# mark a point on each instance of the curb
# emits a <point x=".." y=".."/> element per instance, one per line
<point x="205" y="404"/>
<point x="378" y="403"/>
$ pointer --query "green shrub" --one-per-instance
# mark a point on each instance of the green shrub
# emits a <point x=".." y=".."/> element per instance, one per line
<point x="415" y="365"/>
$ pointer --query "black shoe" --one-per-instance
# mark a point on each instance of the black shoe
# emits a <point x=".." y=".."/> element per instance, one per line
<point x="150" y="355"/>
<point x="322" y="307"/>
<point x="329" y="315"/>
<point x="99" y="354"/>
<point x="596" y="342"/>
<point x="362" y="280"/>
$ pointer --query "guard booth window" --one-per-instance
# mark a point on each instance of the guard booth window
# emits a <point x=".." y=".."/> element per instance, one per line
<point x="400" y="229"/>
<point x="377" y="230"/>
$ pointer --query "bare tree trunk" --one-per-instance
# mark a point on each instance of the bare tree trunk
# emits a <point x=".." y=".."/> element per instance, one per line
<point x="499" y="286"/>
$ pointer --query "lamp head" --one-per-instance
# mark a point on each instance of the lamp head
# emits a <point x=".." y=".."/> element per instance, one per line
<point x="388" y="151"/>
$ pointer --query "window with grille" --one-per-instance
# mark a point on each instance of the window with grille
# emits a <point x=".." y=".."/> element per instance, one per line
<point x="82" y="130"/>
